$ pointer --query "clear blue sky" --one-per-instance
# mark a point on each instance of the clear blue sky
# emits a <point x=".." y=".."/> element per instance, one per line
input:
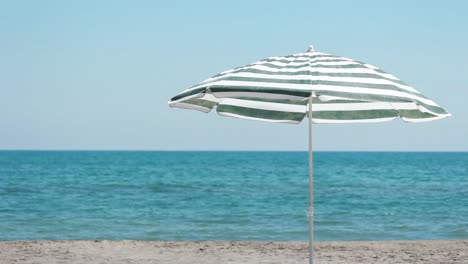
<point x="98" y="74"/>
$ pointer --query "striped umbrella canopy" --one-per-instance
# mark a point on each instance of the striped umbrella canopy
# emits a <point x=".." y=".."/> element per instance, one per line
<point x="327" y="88"/>
<point x="278" y="89"/>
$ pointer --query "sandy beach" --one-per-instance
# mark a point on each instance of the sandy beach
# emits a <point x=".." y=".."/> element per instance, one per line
<point x="104" y="251"/>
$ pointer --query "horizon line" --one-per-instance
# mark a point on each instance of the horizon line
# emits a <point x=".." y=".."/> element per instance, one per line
<point x="220" y="150"/>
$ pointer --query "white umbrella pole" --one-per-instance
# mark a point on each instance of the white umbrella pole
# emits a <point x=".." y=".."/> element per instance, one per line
<point x="310" y="211"/>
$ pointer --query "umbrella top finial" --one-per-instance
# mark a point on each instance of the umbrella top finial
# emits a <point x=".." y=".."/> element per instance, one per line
<point x="311" y="48"/>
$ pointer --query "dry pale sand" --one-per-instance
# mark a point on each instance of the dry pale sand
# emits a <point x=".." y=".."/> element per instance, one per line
<point x="142" y="252"/>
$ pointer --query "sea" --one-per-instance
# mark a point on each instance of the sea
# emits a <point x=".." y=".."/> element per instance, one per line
<point x="232" y="195"/>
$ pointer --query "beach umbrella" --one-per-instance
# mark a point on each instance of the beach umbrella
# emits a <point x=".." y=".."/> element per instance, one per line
<point x="325" y="87"/>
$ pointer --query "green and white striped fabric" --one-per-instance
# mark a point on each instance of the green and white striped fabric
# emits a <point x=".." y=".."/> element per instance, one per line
<point x="278" y="89"/>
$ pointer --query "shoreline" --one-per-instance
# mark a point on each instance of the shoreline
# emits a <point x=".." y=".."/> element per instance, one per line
<point x="234" y="252"/>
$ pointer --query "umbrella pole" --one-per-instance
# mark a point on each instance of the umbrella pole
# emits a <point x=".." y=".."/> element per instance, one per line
<point x="310" y="211"/>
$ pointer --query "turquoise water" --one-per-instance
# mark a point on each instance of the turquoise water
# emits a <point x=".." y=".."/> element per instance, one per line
<point x="231" y="195"/>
